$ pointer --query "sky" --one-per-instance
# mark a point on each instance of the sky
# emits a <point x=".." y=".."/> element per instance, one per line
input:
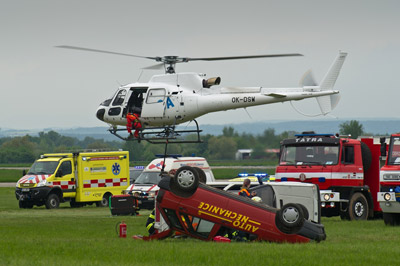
<point x="45" y="87"/>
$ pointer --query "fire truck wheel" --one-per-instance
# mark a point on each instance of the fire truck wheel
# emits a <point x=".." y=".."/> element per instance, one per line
<point x="187" y="178"/>
<point x="52" y="202"/>
<point x="202" y="175"/>
<point x="104" y="201"/>
<point x="290" y="218"/>
<point x="358" y="207"/>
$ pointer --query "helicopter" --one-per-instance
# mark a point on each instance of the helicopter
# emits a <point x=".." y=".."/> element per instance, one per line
<point x="170" y="99"/>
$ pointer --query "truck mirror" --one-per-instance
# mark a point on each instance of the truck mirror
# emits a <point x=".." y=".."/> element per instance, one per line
<point x="383" y="146"/>
<point x="23" y="172"/>
<point x="59" y="173"/>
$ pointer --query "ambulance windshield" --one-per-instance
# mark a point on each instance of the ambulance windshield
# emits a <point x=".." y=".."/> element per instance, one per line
<point x="43" y="168"/>
<point x="148" y="178"/>
<point x="309" y="154"/>
<point x="394" y="151"/>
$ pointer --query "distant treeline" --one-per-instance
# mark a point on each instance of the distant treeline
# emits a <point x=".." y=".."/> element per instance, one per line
<point x="26" y="149"/>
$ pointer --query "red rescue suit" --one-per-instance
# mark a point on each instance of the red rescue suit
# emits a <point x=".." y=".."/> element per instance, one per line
<point x="133" y="122"/>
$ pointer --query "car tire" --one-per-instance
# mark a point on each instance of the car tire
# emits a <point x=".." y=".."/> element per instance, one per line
<point x="290" y="219"/>
<point x="52" y="201"/>
<point x="202" y="175"/>
<point x="358" y="207"/>
<point x="187" y="178"/>
<point x="305" y="211"/>
<point x="176" y="188"/>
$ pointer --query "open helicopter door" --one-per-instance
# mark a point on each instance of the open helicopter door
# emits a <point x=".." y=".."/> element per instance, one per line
<point x="155" y="103"/>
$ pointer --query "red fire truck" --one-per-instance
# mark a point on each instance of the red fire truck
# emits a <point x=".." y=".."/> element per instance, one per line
<point x="389" y="195"/>
<point x="346" y="170"/>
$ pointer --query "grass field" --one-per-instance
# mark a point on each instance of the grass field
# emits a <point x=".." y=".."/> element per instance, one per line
<point x="87" y="236"/>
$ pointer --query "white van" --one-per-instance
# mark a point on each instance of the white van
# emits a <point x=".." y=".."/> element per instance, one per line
<point x="145" y="185"/>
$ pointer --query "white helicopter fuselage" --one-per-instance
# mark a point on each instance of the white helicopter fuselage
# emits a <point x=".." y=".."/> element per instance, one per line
<point x="171" y="99"/>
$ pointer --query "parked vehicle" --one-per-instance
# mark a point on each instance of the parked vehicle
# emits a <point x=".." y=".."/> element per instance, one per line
<point x="201" y="211"/>
<point x="80" y="178"/>
<point x="346" y="171"/>
<point x="145" y="186"/>
<point x="277" y="194"/>
<point x="389" y="194"/>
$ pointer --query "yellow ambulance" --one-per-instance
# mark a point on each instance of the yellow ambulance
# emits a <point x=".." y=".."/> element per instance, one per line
<point x="80" y="178"/>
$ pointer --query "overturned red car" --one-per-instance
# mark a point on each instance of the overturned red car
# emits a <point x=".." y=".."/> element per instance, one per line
<point x="200" y="211"/>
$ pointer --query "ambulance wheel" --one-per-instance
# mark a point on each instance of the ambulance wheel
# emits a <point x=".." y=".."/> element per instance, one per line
<point x="187" y="178"/>
<point x="75" y="204"/>
<point x="290" y="218"/>
<point x="104" y="201"/>
<point x="52" y="202"/>
<point x="202" y="175"/>
<point x="358" y="207"/>
<point x="25" y="205"/>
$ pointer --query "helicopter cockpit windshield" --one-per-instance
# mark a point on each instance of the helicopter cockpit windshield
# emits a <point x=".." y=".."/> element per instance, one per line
<point x="119" y="98"/>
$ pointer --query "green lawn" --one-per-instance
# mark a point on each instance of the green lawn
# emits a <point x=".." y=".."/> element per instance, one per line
<point x="10" y="175"/>
<point x="86" y="236"/>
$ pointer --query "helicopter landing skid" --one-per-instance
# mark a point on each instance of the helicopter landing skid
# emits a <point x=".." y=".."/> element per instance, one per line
<point x="159" y="135"/>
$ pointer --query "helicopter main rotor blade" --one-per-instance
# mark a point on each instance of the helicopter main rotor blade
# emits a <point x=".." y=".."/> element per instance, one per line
<point x="154" y="67"/>
<point x="102" y="51"/>
<point x="239" y="57"/>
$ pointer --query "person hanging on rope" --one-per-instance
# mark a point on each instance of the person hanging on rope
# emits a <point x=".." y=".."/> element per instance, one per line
<point x="133" y="122"/>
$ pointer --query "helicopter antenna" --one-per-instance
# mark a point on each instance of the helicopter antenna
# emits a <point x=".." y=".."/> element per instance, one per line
<point x="248" y="113"/>
<point x="140" y="75"/>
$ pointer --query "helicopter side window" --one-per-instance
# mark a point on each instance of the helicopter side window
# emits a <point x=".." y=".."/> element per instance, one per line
<point x="119" y="99"/>
<point x="155" y="96"/>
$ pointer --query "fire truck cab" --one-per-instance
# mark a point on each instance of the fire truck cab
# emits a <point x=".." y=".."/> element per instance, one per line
<point x="346" y="171"/>
<point x="389" y="194"/>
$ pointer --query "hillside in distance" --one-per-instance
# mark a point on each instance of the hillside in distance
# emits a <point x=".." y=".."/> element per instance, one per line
<point x="375" y="127"/>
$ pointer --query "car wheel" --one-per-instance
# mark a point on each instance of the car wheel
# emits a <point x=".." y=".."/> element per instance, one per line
<point x="52" y="201"/>
<point x="202" y="175"/>
<point x="187" y="178"/>
<point x="305" y="211"/>
<point x="290" y="218"/>
<point x="358" y="207"/>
